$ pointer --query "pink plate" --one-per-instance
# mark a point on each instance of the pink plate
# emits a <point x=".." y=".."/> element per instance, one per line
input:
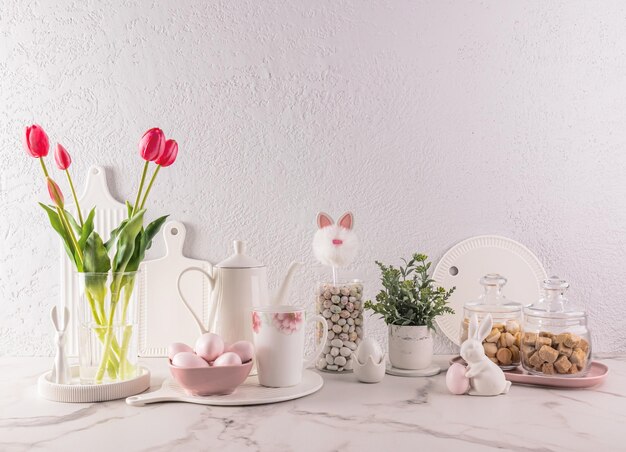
<point x="597" y="374"/>
<point x="217" y="380"/>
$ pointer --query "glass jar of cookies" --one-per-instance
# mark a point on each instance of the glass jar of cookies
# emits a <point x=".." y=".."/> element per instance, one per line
<point x="555" y="337"/>
<point x="341" y="304"/>
<point x="502" y="345"/>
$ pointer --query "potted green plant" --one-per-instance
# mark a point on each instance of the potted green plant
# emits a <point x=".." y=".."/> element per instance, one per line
<point x="409" y="303"/>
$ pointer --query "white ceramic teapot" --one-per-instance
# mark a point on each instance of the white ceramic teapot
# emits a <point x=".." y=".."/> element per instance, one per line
<point x="238" y="284"/>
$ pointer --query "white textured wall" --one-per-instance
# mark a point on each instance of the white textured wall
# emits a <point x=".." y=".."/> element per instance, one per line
<point x="433" y="121"/>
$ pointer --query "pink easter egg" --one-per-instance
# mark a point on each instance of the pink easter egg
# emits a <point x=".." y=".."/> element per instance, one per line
<point x="244" y="349"/>
<point x="227" y="359"/>
<point x="456" y="380"/>
<point x="209" y="346"/>
<point x="177" y="347"/>
<point x="188" y="360"/>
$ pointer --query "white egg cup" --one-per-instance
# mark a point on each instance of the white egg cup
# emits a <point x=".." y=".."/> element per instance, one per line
<point x="369" y="371"/>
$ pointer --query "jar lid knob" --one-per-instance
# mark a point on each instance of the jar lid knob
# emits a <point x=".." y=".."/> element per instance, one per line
<point x="555" y="283"/>
<point x="493" y="279"/>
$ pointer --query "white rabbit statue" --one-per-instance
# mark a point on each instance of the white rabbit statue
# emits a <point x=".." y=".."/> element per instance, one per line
<point x="61" y="370"/>
<point x="335" y="245"/>
<point x="486" y="378"/>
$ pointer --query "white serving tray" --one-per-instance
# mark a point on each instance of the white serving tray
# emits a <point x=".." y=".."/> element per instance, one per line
<point x="77" y="393"/>
<point x="249" y="393"/>
<point x="597" y="374"/>
<point x="468" y="261"/>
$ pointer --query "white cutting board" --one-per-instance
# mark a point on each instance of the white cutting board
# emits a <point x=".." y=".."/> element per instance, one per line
<point x="109" y="213"/>
<point x="163" y="318"/>
<point x="249" y="393"/>
<point x="465" y="263"/>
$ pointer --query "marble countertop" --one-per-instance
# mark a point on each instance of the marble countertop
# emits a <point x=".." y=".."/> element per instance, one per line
<point x="402" y="413"/>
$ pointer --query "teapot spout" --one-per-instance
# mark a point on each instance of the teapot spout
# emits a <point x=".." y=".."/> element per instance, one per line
<point x="283" y="290"/>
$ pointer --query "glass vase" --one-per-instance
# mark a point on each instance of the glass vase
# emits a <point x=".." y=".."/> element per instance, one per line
<point x="107" y="316"/>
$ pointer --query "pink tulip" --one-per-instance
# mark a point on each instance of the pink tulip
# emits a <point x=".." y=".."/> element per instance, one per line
<point x="62" y="157"/>
<point x="152" y="144"/>
<point x="36" y="141"/>
<point x="55" y="193"/>
<point x="169" y="153"/>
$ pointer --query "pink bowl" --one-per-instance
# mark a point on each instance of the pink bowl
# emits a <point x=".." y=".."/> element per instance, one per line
<point x="204" y="381"/>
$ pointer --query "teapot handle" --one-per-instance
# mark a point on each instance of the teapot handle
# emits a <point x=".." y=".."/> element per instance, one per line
<point x="203" y="330"/>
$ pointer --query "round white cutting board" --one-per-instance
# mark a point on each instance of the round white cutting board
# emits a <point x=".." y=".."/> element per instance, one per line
<point x="468" y="261"/>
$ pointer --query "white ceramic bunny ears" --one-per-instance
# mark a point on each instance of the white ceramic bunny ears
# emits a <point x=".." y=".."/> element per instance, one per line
<point x="335" y="245"/>
<point x="481" y="332"/>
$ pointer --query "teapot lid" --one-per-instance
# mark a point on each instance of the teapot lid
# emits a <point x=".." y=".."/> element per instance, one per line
<point x="239" y="259"/>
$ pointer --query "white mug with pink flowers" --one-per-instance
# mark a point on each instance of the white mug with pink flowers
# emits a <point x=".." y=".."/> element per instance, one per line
<point x="279" y="333"/>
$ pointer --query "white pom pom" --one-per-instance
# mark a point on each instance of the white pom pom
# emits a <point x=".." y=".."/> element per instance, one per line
<point x="335" y="246"/>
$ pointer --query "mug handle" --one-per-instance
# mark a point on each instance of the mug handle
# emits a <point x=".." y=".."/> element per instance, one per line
<point x="321" y="345"/>
<point x="203" y="330"/>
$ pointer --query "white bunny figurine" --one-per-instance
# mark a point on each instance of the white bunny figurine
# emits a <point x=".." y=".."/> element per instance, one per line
<point x="335" y="244"/>
<point x="61" y="370"/>
<point x="486" y="378"/>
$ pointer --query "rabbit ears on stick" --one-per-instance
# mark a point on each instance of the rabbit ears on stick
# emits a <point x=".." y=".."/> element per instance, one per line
<point x="335" y="244"/>
<point x="346" y="221"/>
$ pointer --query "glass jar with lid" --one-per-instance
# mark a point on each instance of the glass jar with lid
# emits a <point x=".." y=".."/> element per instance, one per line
<point x="555" y="338"/>
<point x="502" y="345"/>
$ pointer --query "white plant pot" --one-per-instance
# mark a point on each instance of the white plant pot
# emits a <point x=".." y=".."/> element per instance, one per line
<point x="410" y="347"/>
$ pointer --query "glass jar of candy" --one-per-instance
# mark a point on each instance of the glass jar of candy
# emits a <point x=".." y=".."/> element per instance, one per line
<point x="341" y="304"/>
<point x="502" y="345"/>
<point x="555" y="340"/>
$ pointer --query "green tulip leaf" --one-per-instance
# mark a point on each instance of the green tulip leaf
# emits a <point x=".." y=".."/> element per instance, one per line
<point x="139" y="252"/>
<point x="153" y="229"/>
<point x="114" y="233"/>
<point x="76" y="228"/>
<point x="143" y="243"/>
<point x="87" y="229"/>
<point x="97" y="264"/>
<point x="125" y="248"/>
<point x="57" y="225"/>
<point x="126" y="242"/>
<point x="95" y="254"/>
